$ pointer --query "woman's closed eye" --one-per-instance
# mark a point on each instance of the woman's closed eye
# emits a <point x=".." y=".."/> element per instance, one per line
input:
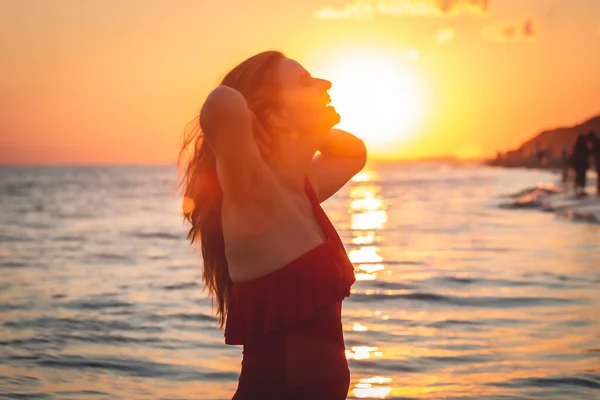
<point x="307" y="82"/>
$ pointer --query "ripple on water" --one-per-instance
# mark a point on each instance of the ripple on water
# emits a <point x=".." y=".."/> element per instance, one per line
<point x="500" y="283"/>
<point x="81" y="394"/>
<point x="96" y="304"/>
<point x="589" y="381"/>
<point x="78" y="325"/>
<point x="158" y="235"/>
<point x="110" y="257"/>
<point x="181" y="286"/>
<point x="130" y="366"/>
<point x="471" y="301"/>
<point x="28" y="396"/>
<point x="15" y="264"/>
<point x="448" y="323"/>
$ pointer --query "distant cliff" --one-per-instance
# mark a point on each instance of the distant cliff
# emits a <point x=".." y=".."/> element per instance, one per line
<point x="545" y="148"/>
<point x="553" y="140"/>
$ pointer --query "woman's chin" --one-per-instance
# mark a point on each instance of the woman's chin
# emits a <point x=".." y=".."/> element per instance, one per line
<point x="332" y="116"/>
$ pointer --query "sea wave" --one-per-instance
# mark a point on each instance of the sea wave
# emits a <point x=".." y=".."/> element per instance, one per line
<point x="554" y="198"/>
<point x="463" y="301"/>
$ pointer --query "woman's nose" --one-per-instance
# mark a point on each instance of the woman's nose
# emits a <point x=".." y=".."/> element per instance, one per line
<point x="323" y="84"/>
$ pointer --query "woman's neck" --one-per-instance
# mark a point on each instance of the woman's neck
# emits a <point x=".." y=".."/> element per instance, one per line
<point x="291" y="159"/>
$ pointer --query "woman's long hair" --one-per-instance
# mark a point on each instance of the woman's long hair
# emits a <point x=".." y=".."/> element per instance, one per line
<point x="255" y="79"/>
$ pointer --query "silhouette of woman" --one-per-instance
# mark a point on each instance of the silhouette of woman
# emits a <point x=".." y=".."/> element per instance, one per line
<point x="273" y="263"/>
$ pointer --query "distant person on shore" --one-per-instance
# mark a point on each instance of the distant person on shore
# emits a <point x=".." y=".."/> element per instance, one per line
<point x="273" y="262"/>
<point x="540" y="153"/>
<point x="580" y="162"/>
<point x="564" y="154"/>
<point x="594" y="142"/>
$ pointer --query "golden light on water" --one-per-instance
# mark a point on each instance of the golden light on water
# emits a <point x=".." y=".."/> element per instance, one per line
<point x="366" y="388"/>
<point x="376" y="379"/>
<point x="359" y="327"/>
<point x="360" y="276"/>
<point x="365" y="254"/>
<point x="361" y="177"/>
<point x="365" y="237"/>
<point x="367" y="216"/>
<point x="367" y="208"/>
<point x="368" y="272"/>
<point x="362" y="352"/>
<point x="370" y="268"/>
<point x="368" y="203"/>
<point x="371" y="220"/>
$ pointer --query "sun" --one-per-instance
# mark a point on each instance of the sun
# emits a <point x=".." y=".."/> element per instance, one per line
<point x="376" y="98"/>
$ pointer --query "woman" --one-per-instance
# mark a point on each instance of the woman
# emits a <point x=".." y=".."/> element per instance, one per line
<point x="273" y="262"/>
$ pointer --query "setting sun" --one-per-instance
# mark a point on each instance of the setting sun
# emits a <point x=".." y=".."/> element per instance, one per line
<point x="376" y="98"/>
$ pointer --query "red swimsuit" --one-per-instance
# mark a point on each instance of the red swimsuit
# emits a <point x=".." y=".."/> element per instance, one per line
<point x="296" y="305"/>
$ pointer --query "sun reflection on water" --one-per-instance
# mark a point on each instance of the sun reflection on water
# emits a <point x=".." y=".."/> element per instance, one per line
<point x="364" y="237"/>
<point x="366" y="388"/>
<point x="359" y="327"/>
<point x="365" y="254"/>
<point x="370" y="219"/>
<point x="362" y="177"/>
<point x="368" y="215"/>
<point x="362" y="352"/>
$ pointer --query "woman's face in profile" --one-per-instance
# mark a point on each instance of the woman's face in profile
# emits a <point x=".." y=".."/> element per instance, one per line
<point x="303" y="101"/>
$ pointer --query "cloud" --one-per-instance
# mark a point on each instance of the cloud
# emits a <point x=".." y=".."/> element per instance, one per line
<point x="367" y="9"/>
<point x="445" y="35"/>
<point x="523" y="30"/>
<point x="358" y="10"/>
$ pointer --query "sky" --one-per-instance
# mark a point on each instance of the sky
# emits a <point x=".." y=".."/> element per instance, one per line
<point x="115" y="81"/>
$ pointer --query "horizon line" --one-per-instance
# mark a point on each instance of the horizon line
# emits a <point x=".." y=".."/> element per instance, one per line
<point x="174" y="163"/>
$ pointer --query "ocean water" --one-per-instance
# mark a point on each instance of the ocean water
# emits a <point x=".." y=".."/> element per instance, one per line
<point x="456" y="298"/>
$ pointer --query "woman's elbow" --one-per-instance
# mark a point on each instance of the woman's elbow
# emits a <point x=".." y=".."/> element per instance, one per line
<point x="361" y="153"/>
<point x="225" y="109"/>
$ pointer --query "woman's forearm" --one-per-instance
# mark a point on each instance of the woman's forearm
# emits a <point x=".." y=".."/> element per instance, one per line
<point x="225" y="118"/>
<point x="340" y="143"/>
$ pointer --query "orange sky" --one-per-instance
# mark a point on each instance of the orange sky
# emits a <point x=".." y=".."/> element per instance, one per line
<point x="115" y="81"/>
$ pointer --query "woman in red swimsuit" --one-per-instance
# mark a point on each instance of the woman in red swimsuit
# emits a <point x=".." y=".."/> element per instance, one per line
<point x="273" y="263"/>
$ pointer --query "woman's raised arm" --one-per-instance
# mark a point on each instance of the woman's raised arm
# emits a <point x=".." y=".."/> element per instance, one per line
<point x="226" y="122"/>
